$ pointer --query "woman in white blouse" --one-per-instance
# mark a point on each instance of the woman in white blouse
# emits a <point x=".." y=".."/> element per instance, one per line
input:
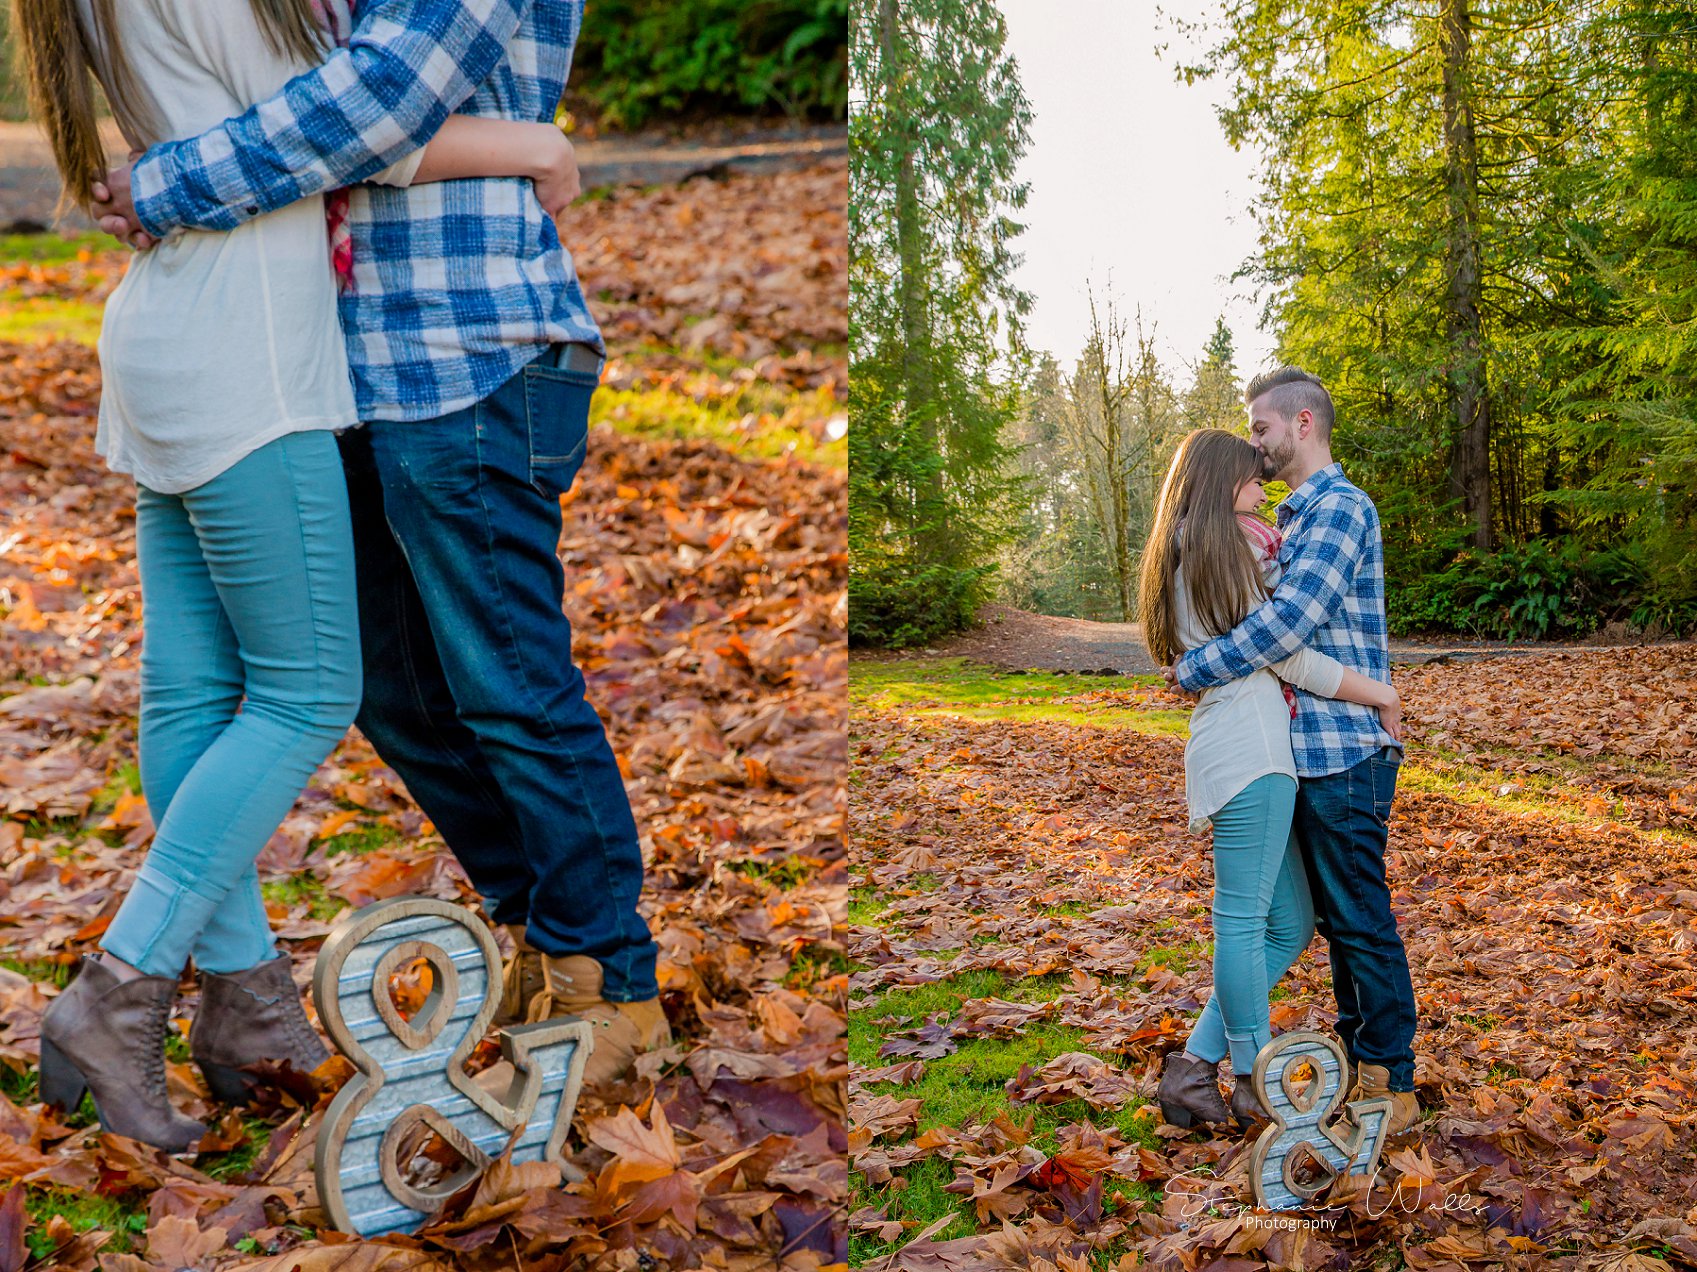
<point x="1208" y="562"/>
<point x="225" y="378"/>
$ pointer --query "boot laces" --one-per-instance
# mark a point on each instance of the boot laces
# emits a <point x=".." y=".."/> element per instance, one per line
<point x="158" y="1022"/>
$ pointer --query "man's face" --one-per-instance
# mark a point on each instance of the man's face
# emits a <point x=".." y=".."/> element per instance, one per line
<point x="1272" y="435"/>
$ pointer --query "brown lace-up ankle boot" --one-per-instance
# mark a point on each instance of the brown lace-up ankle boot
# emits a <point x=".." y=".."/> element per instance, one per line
<point x="1245" y="1105"/>
<point x="107" y="1036"/>
<point x="1190" y="1092"/>
<point x="246" y="1017"/>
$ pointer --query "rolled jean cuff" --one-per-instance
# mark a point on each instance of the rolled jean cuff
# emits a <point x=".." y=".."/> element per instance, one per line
<point x="158" y="924"/>
<point x="1244" y="1050"/>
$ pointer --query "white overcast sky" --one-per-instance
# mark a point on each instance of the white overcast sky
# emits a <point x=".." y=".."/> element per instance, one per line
<point x="1131" y="180"/>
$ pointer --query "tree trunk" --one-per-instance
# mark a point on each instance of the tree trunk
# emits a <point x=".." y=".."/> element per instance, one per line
<point x="1113" y="478"/>
<point x="1122" y="539"/>
<point x="1470" y="461"/>
<point x="929" y="535"/>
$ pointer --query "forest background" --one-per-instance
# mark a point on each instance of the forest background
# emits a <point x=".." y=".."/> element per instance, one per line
<point x="1476" y="224"/>
<point x="643" y="62"/>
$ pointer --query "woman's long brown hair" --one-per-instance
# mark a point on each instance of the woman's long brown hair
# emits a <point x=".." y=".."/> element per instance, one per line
<point x="1220" y="572"/>
<point x="56" y="58"/>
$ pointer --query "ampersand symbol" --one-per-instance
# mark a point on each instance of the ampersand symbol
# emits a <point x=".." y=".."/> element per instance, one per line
<point x="412" y="1071"/>
<point x="1303" y="1121"/>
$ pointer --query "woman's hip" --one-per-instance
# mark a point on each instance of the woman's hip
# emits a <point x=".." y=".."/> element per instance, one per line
<point x="1259" y="815"/>
<point x="268" y="545"/>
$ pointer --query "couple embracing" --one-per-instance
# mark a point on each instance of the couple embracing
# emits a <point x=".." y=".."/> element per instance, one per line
<point x="350" y="420"/>
<point x="1295" y="741"/>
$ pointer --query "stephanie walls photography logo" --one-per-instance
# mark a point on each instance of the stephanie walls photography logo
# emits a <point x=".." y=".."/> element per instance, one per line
<point x="1299" y="1079"/>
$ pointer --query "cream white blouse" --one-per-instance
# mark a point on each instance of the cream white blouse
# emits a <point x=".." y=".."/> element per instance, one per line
<point x="217" y="343"/>
<point x="1241" y="731"/>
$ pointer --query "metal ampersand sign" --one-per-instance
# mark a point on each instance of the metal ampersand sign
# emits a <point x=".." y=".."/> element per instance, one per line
<point x="1303" y="1122"/>
<point x="412" y="1071"/>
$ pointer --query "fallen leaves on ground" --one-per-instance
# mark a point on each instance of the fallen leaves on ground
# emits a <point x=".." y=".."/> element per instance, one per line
<point x="706" y="593"/>
<point x="1613" y="726"/>
<point x="756" y="268"/>
<point x="1551" y="945"/>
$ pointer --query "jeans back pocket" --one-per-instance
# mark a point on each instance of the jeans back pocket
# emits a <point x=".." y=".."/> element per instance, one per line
<point x="557" y="406"/>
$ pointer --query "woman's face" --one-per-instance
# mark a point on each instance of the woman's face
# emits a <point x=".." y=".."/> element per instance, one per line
<point x="1250" y="496"/>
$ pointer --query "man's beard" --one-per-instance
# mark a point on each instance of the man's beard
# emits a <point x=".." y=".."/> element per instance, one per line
<point x="1274" y="462"/>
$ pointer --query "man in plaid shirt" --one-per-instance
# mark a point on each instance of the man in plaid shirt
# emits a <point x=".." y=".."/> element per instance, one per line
<point x="474" y="356"/>
<point x="1331" y="598"/>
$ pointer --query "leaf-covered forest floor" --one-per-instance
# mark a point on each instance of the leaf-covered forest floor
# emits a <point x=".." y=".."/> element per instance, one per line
<point x="1030" y="935"/>
<point x="704" y="547"/>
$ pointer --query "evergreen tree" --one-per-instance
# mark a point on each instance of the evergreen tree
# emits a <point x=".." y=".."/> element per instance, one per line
<point x="1628" y="417"/>
<point x="1056" y="563"/>
<point x="1417" y="156"/>
<point x="938" y="125"/>
<point x="1215" y="398"/>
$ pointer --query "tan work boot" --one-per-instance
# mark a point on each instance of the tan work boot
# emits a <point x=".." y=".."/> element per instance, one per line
<point x="1374" y="1083"/>
<point x="521" y="980"/>
<point x="622" y="1030"/>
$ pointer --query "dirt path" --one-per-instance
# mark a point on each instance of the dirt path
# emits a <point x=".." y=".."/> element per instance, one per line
<point x="29" y="186"/>
<point x="1022" y="641"/>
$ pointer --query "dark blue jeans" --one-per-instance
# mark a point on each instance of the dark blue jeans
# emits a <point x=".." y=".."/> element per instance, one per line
<point x="1341" y="822"/>
<point x="470" y="690"/>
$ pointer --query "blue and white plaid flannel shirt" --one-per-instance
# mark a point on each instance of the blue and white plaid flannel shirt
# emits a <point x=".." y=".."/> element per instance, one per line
<point x="457" y="284"/>
<point x="1331" y="598"/>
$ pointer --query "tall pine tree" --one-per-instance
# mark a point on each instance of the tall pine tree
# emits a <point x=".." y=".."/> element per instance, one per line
<point x="1627" y="417"/>
<point x="938" y="124"/>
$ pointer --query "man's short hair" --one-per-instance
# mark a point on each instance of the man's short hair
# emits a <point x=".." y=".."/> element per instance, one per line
<point x="1292" y="390"/>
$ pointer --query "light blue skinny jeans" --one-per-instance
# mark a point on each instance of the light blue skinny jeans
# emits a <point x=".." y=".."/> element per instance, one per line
<point x="250" y="675"/>
<point x="1263" y="919"/>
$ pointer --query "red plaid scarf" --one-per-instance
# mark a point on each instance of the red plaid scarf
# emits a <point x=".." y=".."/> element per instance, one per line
<point x="337" y="19"/>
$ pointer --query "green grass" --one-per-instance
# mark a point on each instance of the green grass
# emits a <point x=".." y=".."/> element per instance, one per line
<point x="968" y="1087"/>
<point x="122" y="1216"/>
<point x="957" y="687"/>
<point x="126" y="780"/>
<point x="177" y="1047"/>
<point x="45" y="828"/>
<point x="42" y="970"/>
<point x="364" y="839"/>
<point x="789" y="873"/>
<point x="1066" y="910"/>
<point x="1468" y="785"/>
<point x="813" y="964"/>
<point x="53" y="248"/>
<point x="41" y="319"/>
<point x="300" y="888"/>
<point x="752" y="423"/>
<point x="1177" y="958"/>
<point x="1436" y="771"/>
<point x="228" y="1166"/>
<point x="869" y="1027"/>
<point x="1484" y="1022"/>
<point x="867" y="904"/>
<point x="20" y="1087"/>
